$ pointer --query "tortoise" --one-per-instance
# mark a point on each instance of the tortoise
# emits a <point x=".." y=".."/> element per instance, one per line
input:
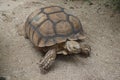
<point x="55" y="31"/>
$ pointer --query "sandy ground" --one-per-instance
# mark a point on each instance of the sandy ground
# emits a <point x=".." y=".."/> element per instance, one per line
<point x="19" y="59"/>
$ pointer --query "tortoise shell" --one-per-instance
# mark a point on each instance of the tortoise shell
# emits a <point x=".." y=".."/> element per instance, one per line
<point x="50" y="25"/>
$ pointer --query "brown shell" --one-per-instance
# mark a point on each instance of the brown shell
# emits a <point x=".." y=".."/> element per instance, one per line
<point x="50" y="25"/>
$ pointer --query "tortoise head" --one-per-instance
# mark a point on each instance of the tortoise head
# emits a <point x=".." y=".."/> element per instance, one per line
<point x="73" y="47"/>
<point x="76" y="47"/>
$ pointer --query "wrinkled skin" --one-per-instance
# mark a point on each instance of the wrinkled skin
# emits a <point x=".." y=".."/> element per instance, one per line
<point x="69" y="47"/>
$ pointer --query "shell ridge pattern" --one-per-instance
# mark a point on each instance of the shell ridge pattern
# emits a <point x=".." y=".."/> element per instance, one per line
<point x="80" y="28"/>
<point x="72" y="27"/>
<point x="38" y="32"/>
<point x="35" y="28"/>
<point x="47" y="38"/>
<point x="54" y="24"/>
<point x="54" y="28"/>
<point x="29" y="21"/>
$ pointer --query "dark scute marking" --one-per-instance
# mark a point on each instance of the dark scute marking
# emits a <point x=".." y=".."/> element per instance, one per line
<point x="72" y="27"/>
<point x="40" y="35"/>
<point x="80" y="30"/>
<point x="29" y="22"/>
<point x="35" y="30"/>
<point x="54" y="26"/>
<point x="39" y="19"/>
<point x="38" y="25"/>
<point x="46" y="29"/>
<point x="57" y="16"/>
<point x="63" y="28"/>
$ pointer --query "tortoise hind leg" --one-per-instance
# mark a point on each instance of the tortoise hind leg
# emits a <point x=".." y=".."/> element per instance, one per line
<point x="48" y="60"/>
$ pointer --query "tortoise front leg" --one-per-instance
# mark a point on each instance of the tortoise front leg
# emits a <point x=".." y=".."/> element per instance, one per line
<point x="48" y="60"/>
